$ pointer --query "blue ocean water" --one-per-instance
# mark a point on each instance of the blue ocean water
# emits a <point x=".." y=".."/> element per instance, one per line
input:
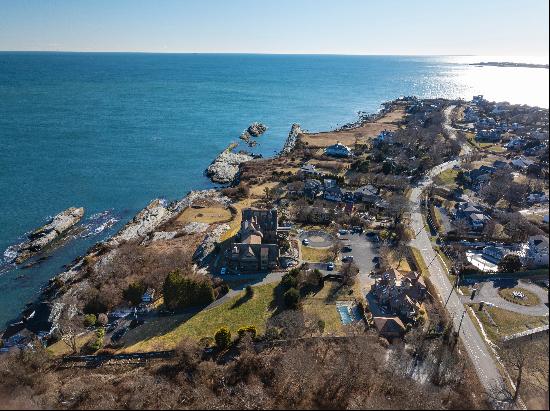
<point x="111" y="131"/>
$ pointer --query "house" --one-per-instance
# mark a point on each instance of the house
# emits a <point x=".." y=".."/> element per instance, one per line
<point x="488" y="136"/>
<point x="477" y="100"/>
<point x="148" y="296"/>
<point x="367" y="194"/>
<point x="515" y="143"/>
<point x="389" y="327"/>
<point x="473" y="214"/>
<point x="537" y="197"/>
<point x="295" y="189"/>
<point x="402" y="293"/>
<point x="494" y="254"/>
<point x="481" y="175"/>
<point x="312" y="188"/>
<point x="338" y="150"/>
<point x="470" y="115"/>
<point x="384" y="137"/>
<point x="521" y="163"/>
<point x="257" y="249"/>
<point x="499" y="164"/>
<point x="537" y="252"/>
<point x="333" y="194"/>
<point x="308" y="170"/>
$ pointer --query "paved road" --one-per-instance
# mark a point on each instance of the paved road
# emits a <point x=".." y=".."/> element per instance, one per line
<point x="478" y="352"/>
<point x="488" y="292"/>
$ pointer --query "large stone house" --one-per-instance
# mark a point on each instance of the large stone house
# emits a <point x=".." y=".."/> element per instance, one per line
<point x="256" y="249"/>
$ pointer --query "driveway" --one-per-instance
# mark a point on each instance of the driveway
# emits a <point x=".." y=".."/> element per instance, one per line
<point x="317" y="238"/>
<point x="488" y="293"/>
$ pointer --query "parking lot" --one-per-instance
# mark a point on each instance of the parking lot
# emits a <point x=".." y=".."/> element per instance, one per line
<point x="363" y="250"/>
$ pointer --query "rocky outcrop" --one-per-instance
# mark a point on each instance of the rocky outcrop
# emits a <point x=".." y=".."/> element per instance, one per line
<point x="225" y="167"/>
<point x="290" y="142"/>
<point x="256" y="129"/>
<point x="191" y="228"/>
<point x="48" y="233"/>
<point x="209" y="243"/>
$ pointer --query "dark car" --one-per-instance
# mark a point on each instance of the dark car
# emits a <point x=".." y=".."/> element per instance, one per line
<point x="357" y="229"/>
<point x="347" y="259"/>
<point x="346" y="248"/>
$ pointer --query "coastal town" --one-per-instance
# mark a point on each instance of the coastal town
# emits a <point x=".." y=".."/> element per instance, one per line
<point x="421" y="229"/>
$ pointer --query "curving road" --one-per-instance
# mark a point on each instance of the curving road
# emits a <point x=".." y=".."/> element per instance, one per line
<point x="476" y="348"/>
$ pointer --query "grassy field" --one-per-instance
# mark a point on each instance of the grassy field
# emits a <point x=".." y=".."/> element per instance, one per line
<point x="447" y="178"/>
<point x="323" y="306"/>
<point x="234" y="313"/>
<point x="235" y="224"/>
<point x="418" y="260"/>
<point x="315" y="255"/>
<point x="208" y="215"/>
<point x="529" y="300"/>
<point x="506" y="322"/>
<point x="60" y="349"/>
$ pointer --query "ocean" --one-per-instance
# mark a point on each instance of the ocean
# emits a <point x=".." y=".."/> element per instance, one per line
<point x="111" y="131"/>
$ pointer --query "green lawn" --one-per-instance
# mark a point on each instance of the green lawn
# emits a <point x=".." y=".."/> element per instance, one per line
<point x="234" y="313"/>
<point x="316" y="255"/>
<point x="529" y="300"/>
<point x="507" y="322"/>
<point x="447" y="178"/>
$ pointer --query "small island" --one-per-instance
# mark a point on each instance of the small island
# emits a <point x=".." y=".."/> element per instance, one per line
<point x="509" y="64"/>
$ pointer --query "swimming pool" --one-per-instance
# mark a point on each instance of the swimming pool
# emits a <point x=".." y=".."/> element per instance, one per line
<point x="349" y="312"/>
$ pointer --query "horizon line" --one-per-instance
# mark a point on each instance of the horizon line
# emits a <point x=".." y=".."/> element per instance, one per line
<point x="272" y="53"/>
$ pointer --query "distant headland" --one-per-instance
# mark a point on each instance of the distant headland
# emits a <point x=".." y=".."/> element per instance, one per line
<point x="509" y="64"/>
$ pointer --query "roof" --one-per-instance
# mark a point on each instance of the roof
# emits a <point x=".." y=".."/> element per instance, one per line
<point x="389" y="325"/>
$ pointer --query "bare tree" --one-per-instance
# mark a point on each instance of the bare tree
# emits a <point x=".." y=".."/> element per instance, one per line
<point x="518" y="357"/>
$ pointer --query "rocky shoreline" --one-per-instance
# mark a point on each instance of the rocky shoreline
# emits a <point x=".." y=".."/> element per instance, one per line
<point x="48" y="233"/>
<point x="225" y="167"/>
<point x="60" y="295"/>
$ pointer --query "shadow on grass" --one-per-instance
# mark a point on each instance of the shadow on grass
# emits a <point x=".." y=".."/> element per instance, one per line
<point x="240" y="301"/>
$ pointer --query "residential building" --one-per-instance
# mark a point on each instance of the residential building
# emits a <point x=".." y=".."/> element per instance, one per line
<point x="257" y="249"/>
<point x="338" y="150"/>
<point x="367" y="194"/>
<point x="537" y="251"/>
<point x="488" y="136"/>
<point x="312" y="188"/>
<point x="389" y="327"/>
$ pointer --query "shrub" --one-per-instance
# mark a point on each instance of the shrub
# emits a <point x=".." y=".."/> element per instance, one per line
<point x="182" y="292"/>
<point x="95" y="305"/>
<point x="90" y="320"/>
<point x="249" y="329"/>
<point x="292" y="298"/>
<point x="102" y="320"/>
<point x="223" y="338"/>
<point x="321" y="326"/>
<point x="510" y="264"/>
<point x="134" y="293"/>
<point x="289" y="281"/>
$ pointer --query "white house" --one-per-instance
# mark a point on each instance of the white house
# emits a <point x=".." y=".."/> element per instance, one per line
<point x="537" y="252"/>
<point x="338" y="150"/>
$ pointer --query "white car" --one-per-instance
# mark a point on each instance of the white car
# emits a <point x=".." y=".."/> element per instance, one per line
<point x="305" y="241"/>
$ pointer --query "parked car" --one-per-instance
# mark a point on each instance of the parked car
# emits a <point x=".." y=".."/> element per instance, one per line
<point x="346" y="248"/>
<point x="223" y="271"/>
<point x="357" y="229"/>
<point x="330" y="266"/>
<point x="343" y="232"/>
<point x="347" y="259"/>
<point x="376" y="259"/>
<point x="305" y="241"/>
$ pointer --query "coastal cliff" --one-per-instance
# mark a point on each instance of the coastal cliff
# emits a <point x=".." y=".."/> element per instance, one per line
<point x="48" y="233"/>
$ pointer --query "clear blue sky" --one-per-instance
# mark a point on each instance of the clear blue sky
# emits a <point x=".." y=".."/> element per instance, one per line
<point x="495" y="27"/>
